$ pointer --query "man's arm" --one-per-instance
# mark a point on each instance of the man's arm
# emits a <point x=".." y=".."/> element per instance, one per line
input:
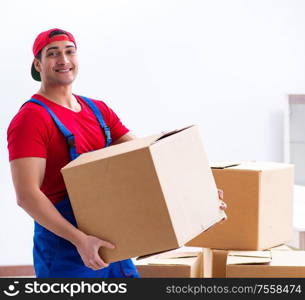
<point x="124" y="138"/>
<point x="28" y="174"/>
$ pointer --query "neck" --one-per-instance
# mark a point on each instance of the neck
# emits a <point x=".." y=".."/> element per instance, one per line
<point x="61" y="95"/>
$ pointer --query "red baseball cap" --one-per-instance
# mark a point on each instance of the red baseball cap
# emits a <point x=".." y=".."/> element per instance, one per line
<point x="46" y="37"/>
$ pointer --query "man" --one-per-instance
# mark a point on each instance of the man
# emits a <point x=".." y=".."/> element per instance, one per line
<point x="51" y="129"/>
<point x="54" y="127"/>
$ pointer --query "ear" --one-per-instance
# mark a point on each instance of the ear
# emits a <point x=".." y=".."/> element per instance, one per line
<point x="37" y="65"/>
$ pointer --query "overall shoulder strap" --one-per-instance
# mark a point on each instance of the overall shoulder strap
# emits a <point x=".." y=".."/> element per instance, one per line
<point x="67" y="134"/>
<point x="100" y="119"/>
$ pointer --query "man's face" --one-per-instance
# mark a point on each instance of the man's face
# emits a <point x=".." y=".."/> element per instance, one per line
<point x="58" y="65"/>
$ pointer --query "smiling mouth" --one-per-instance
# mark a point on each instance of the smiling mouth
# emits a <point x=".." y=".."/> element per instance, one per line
<point x="63" y="70"/>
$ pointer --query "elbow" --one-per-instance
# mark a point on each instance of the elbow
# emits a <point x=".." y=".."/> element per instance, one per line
<point x="25" y="196"/>
<point x="20" y="201"/>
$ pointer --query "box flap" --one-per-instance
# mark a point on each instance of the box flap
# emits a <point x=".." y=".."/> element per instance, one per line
<point x="169" y="133"/>
<point x="151" y="255"/>
<point x="249" y="257"/>
<point x="224" y="164"/>
<point x="171" y="262"/>
<point x="175" y="255"/>
<point x="112" y="151"/>
<point x="250" y="165"/>
<point x="270" y="257"/>
<point x="262" y="166"/>
<point x="284" y="247"/>
<point x="122" y="148"/>
<point x="170" y="258"/>
<point x="288" y="258"/>
<point x="172" y="254"/>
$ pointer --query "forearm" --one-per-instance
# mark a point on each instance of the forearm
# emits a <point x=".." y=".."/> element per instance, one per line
<point x="40" y="208"/>
<point x="125" y="138"/>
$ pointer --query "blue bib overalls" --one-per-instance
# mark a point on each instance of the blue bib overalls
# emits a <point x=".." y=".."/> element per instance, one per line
<point x="56" y="257"/>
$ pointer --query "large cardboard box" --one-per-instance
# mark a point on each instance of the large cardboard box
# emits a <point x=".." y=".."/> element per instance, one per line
<point x="259" y="200"/>
<point x="145" y="196"/>
<point x="171" y="264"/>
<point x="261" y="264"/>
<point x="215" y="260"/>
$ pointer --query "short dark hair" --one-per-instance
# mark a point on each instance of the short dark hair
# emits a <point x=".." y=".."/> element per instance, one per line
<point x="53" y="33"/>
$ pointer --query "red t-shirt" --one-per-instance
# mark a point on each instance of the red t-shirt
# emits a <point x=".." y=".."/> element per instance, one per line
<point x="33" y="133"/>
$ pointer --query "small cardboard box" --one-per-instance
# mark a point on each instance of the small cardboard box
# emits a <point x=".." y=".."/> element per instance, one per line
<point x="145" y="196"/>
<point x="215" y="260"/>
<point x="259" y="207"/>
<point x="172" y="265"/>
<point x="262" y="264"/>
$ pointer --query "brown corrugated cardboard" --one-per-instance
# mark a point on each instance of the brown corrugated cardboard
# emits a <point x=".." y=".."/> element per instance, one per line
<point x="275" y="265"/>
<point x="259" y="200"/>
<point x="171" y="265"/>
<point x="17" y="271"/>
<point x="215" y="260"/>
<point x="145" y="196"/>
<point x="214" y="263"/>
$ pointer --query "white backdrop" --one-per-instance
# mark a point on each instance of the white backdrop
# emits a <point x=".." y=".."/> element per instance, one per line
<point x="227" y="66"/>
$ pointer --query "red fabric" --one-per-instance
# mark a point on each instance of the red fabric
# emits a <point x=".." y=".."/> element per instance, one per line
<point x="33" y="133"/>
<point x="43" y="39"/>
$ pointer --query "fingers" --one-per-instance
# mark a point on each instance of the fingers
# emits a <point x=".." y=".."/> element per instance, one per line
<point x="97" y="264"/>
<point x="106" y="244"/>
<point x="223" y="205"/>
<point x="220" y="194"/>
<point x="89" y="252"/>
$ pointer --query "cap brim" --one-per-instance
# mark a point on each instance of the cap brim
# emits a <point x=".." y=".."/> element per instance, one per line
<point x="35" y="74"/>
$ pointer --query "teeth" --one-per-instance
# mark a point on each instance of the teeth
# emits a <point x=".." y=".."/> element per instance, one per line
<point x="62" y="71"/>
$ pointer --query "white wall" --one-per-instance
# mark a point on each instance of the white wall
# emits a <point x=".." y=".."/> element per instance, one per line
<point x="162" y="64"/>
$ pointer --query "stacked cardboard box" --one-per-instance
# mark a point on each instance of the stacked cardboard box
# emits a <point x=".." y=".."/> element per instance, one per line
<point x="147" y="195"/>
<point x="185" y="263"/>
<point x="259" y="198"/>
<point x="271" y="263"/>
<point x="280" y="261"/>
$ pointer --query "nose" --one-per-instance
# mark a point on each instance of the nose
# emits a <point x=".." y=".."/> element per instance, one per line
<point x="63" y="59"/>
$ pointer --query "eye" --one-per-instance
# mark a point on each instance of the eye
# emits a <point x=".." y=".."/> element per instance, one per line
<point x="71" y="51"/>
<point x="52" y="53"/>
